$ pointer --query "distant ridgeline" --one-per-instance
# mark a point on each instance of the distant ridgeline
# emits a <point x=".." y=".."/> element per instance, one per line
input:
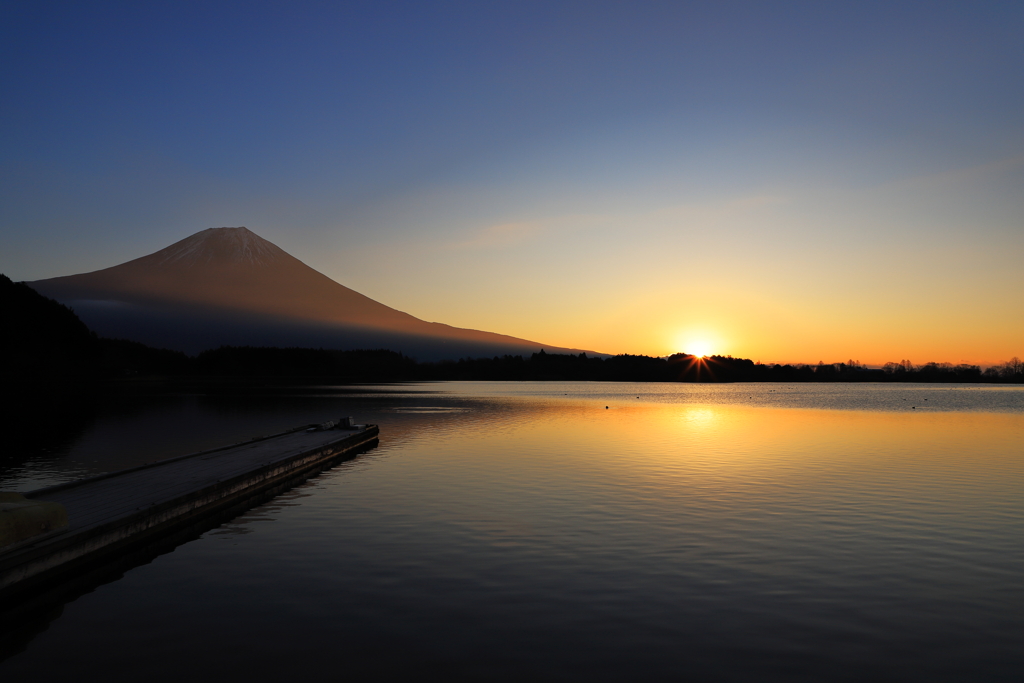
<point x="44" y="343"/>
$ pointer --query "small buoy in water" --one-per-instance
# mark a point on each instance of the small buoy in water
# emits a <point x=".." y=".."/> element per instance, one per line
<point x="606" y="407"/>
<point x="913" y="407"/>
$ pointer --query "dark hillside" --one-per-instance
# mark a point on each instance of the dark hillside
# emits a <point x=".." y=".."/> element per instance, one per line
<point x="42" y="341"/>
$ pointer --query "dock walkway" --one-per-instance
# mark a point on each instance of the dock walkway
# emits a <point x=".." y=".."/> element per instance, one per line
<point x="111" y="511"/>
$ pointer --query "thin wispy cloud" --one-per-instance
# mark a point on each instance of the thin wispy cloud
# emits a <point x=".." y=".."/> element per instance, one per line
<point x="501" y="235"/>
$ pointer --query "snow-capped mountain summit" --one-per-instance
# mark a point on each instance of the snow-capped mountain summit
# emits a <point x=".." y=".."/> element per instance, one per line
<point x="230" y="286"/>
<point x="220" y="245"/>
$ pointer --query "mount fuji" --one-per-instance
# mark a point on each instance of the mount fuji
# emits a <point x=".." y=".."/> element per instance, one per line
<point x="229" y="286"/>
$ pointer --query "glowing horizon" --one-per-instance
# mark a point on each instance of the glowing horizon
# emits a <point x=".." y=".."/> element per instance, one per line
<point x="786" y="184"/>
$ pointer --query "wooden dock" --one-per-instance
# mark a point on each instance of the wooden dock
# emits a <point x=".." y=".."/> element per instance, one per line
<point x="112" y="513"/>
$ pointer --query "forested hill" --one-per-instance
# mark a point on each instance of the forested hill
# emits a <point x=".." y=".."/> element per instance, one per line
<point x="42" y="339"/>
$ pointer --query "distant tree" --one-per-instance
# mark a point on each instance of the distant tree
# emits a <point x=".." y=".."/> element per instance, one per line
<point x="1012" y="370"/>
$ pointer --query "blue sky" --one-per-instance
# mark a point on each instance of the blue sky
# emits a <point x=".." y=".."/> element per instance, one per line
<point x="617" y="176"/>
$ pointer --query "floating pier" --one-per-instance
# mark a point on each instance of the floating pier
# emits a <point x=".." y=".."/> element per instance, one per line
<point x="112" y="513"/>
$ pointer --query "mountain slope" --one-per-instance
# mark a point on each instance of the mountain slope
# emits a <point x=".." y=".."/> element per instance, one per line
<point x="230" y="286"/>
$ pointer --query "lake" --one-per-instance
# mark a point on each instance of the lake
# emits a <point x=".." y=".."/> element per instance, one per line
<point x="571" y="531"/>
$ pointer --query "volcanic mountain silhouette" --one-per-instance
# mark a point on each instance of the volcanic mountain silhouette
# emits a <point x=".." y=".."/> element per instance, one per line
<point x="229" y="286"/>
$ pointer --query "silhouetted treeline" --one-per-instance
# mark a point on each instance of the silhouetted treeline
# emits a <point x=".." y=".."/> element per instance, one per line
<point x="687" y="368"/>
<point x="127" y="359"/>
<point x="44" y="342"/>
<point x="123" y="358"/>
<point x="1011" y="371"/>
<point x="377" y="365"/>
<point x="383" y="365"/>
<point x="623" y="368"/>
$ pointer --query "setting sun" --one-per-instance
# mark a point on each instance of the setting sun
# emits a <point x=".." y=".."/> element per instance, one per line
<point x="698" y="348"/>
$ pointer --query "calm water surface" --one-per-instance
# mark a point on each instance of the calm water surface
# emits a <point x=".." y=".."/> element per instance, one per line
<point x="575" y="531"/>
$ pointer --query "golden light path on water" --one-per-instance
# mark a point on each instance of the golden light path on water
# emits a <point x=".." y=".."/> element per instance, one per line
<point x="681" y="445"/>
